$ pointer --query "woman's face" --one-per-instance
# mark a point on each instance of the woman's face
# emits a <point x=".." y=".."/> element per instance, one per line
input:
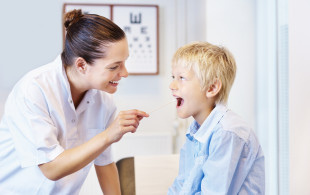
<point x="105" y="73"/>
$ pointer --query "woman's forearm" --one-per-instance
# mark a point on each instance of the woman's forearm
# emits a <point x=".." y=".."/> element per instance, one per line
<point x="108" y="179"/>
<point x="76" y="158"/>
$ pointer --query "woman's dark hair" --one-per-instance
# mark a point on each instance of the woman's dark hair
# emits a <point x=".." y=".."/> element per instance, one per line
<point x="87" y="35"/>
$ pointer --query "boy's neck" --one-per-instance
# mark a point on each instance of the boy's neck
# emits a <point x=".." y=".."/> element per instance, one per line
<point x="204" y="115"/>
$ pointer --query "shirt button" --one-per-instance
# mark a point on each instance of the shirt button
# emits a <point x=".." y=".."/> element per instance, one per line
<point x="71" y="101"/>
<point x="73" y="120"/>
<point x="87" y="102"/>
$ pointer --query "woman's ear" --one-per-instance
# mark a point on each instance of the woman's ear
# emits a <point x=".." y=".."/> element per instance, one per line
<point x="80" y="65"/>
<point x="214" y="89"/>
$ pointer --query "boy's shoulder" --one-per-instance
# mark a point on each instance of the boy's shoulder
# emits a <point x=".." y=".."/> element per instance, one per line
<point x="234" y="123"/>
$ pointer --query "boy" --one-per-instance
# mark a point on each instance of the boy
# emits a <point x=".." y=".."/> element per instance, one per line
<point x="221" y="154"/>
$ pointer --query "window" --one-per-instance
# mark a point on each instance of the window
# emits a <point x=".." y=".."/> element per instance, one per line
<point x="272" y="92"/>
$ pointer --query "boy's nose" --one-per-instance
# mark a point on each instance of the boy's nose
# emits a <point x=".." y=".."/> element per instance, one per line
<point x="172" y="85"/>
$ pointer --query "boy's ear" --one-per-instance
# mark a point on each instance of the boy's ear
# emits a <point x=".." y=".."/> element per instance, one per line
<point x="80" y="65"/>
<point x="214" y="89"/>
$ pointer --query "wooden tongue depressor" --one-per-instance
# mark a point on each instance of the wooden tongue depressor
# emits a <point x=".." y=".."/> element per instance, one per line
<point x="160" y="107"/>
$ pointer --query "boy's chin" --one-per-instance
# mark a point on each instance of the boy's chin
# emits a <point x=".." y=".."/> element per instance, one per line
<point x="183" y="115"/>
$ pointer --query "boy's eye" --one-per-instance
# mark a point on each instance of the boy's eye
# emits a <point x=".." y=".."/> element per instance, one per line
<point x="182" y="78"/>
<point x="172" y="77"/>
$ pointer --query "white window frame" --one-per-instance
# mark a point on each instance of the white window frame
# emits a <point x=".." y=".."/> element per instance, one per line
<point x="272" y="92"/>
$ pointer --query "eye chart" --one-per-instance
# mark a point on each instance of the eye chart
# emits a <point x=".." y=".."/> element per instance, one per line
<point x="140" y="26"/>
<point x="140" y="23"/>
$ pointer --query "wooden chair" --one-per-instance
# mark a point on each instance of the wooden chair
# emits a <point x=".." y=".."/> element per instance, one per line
<point x="126" y="172"/>
<point x="147" y="175"/>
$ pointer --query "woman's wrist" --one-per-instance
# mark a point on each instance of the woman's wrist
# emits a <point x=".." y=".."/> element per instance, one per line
<point x="105" y="139"/>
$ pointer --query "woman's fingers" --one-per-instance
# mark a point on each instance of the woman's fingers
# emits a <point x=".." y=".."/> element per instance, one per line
<point x="129" y="129"/>
<point x="134" y="112"/>
<point x="126" y="121"/>
<point x="130" y="122"/>
<point x="131" y="117"/>
<point x="128" y="116"/>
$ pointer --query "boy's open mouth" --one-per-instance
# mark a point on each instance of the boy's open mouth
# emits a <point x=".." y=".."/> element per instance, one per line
<point x="180" y="101"/>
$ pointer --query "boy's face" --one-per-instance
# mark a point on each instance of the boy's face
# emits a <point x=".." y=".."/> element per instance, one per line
<point x="191" y="100"/>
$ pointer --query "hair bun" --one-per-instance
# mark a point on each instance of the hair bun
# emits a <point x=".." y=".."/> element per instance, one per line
<point x="72" y="17"/>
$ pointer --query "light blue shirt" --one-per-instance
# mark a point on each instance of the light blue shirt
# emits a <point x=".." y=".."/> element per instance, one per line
<point x="40" y="122"/>
<point x="222" y="156"/>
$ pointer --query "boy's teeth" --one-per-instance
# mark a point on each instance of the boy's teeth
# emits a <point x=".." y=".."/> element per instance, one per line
<point x="114" y="82"/>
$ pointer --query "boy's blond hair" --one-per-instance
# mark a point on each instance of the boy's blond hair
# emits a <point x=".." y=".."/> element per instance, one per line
<point x="209" y="63"/>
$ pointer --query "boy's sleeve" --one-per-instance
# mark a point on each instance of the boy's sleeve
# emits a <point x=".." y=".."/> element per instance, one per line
<point x="227" y="165"/>
<point x="178" y="182"/>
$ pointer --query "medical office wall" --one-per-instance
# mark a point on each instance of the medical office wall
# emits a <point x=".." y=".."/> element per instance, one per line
<point x="31" y="35"/>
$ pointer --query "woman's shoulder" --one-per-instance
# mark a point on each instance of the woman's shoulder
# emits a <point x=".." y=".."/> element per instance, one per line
<point x="45" y="71"/>
<point x="43" y="78"/>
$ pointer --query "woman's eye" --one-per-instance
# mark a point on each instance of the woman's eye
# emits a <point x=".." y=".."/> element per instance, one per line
<point x="113" y="67"/>
<point x="182" y="78"/>
<point x="172" y="77"/>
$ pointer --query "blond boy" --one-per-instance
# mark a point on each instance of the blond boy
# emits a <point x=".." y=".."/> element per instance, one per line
<point x="221" y="154"/>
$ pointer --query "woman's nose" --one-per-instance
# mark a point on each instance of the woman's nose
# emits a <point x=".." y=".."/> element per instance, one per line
<point x="124" y="72"/>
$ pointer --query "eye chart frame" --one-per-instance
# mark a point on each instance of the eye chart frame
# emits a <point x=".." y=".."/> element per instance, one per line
<point x="141" y="25"/>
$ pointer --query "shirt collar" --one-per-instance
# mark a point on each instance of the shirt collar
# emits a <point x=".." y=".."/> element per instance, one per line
<point x="62" y="72"/>
<point x="201" y="133"/>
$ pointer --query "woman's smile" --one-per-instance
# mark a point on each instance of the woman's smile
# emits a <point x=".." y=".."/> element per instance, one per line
<point x="114" y="83"/>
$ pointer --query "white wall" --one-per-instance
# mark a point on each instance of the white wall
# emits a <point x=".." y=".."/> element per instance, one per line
<point x="232" y="24"/>
<point x="30" y="36"/>
<point x="299" y="96"/>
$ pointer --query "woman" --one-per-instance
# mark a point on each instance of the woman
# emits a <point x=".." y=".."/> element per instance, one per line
<point x="60" y="117"/>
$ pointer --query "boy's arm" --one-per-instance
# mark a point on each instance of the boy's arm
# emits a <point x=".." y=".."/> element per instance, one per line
<point x="226" y="167"/>
<point x="178" y="182"/>
<point x="108" y="179"/>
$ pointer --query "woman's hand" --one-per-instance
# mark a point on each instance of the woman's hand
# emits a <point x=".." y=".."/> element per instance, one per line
<point x="126" y="121"/>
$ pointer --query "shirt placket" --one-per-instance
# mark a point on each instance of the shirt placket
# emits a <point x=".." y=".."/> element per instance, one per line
<point x="72" y="133"/>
